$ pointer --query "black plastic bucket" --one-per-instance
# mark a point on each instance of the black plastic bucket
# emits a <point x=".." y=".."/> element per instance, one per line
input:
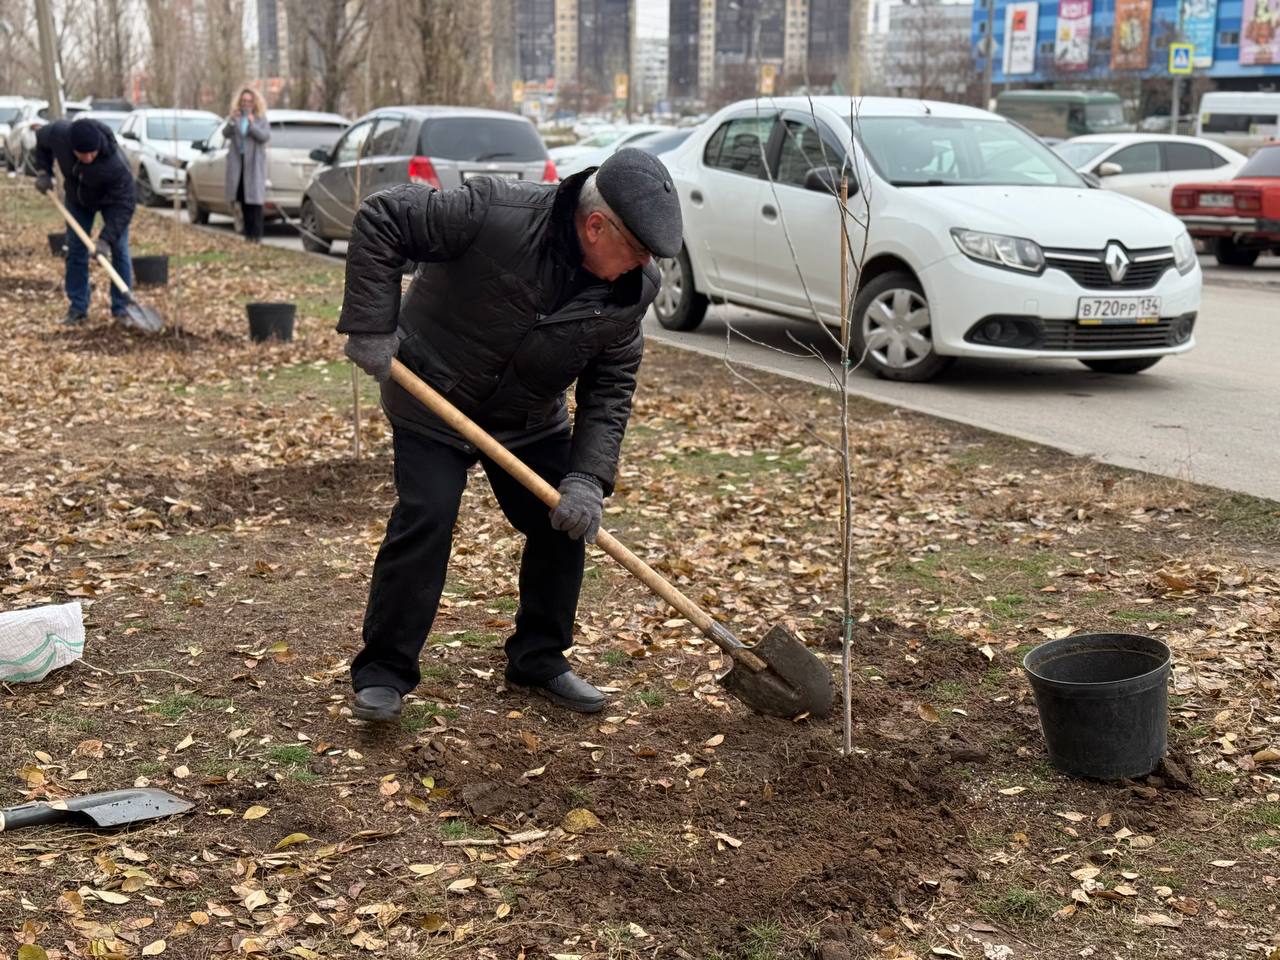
<point x="152" y="271"/>
<point x="1103" y="702"/>
<point x="268" y="320"/>
<point x="58" y="243"/>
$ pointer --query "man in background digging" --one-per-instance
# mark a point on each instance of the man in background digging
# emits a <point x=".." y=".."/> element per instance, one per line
<point x="97" y="180"/>
<point x="522" y="288"/>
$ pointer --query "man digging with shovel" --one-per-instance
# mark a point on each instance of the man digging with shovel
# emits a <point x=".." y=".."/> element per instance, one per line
<point x="97" y="181"/>
<point x="521" y="289"/>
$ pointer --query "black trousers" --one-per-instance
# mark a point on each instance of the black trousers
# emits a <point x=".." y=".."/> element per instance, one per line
<point x="252" y="211"/>
<point x="409" y="572"/>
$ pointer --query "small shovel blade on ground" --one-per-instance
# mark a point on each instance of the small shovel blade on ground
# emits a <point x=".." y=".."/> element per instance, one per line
<point x="114" y="808"/>
<point x="778" y="676"/>
<point x="141" y="318"/>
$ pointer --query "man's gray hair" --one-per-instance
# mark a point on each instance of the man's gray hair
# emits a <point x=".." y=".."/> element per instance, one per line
<point x="590" y="201"/>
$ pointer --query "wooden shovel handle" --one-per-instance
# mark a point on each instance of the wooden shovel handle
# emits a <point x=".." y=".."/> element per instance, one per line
<point x="88" y="242"/>
<point x="548" y="494"/>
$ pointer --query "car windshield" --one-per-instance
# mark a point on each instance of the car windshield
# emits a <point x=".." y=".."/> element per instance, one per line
<point x="179" y="128"/>
<point x="1080" y="154"/>
<point x="305" y="136"/>
<point x="1104" y="116"/>
<point x="952" y="151"/>
<point x="1264" y="163"/>
<point x="9" y="114"/>
<point x="481" y="139"/>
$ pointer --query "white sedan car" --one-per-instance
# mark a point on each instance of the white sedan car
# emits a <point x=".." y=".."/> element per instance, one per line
<point x="158" y="145"/>
<point x="982" y="241"/>
<point x="1147" y="166"/>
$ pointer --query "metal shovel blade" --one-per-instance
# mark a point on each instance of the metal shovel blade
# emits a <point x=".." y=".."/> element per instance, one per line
<point x="143" y="319"/>
<point x="795" y="682"/>
<point x="116" y="807"/>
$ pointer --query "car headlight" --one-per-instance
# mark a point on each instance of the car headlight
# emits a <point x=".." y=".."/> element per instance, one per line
<point x="168" y="161"/>
<point x="1015" y="253"/>
<point x="1184" y="253"/>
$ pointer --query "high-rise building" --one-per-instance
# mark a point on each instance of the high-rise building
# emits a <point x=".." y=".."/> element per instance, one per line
<point x="828" y="57"/>
<point x="566" y="42"/>
<point x="682" y="49"/>
<point x="536" y="40"/>
<point x="604" y="37"/>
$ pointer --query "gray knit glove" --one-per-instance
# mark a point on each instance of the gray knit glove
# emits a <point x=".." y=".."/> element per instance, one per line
<point x="44" y="182"/>
<point x="373" y="352"/>
<point x="581" y="507"/>
<point x="101" y="248"/>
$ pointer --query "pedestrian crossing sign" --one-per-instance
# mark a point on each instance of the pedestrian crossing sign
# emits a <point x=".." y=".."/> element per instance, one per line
<point x="1180" y="57"/>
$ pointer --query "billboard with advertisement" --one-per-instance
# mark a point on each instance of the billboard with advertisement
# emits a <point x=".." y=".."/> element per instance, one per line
<point x="1020" y="37"/>
<point x="1199" y="25"/>
<point x="1260" y="33"/>
<point x="1071" y="45"/>
<point x="1131" y="35"/>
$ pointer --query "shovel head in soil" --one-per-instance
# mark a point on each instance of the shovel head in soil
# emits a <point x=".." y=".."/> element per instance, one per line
<point x="113" y="808"/>
<point x="140" y="318"/>
<point x="793" y="680"/>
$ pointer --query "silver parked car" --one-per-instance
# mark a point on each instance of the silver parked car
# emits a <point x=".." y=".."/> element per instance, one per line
<point x="20" y="144"/>
<point x="294" y="135"/>
<point x="10" y="111"/>
<point x="439" y="146"/>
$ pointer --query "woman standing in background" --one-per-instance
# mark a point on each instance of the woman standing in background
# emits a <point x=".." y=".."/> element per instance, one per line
<point x="247" y="132"/>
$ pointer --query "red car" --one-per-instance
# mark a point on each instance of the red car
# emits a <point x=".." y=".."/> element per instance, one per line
<point x="1240" y="217"/>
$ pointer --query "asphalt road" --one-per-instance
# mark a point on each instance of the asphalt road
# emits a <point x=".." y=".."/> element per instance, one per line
<point x="1210" y="416"/>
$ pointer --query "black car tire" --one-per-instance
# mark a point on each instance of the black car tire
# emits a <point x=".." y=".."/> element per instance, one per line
<point x="147" y="196"/>
<point x="1131" y="365"/>
<point x="1230" y="255"/>
<point x="678" y="306"/>
<point x="926" y="365"/>
<point x="312" y="242"/>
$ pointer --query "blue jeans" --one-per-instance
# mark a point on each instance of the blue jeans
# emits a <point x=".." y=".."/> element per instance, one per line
<point x="77" y="284"/>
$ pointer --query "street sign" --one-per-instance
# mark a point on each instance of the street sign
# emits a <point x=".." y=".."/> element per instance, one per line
<point x="1181" y="56"/>
<point x="517" y="91"/>
<point x="768" y="75"/>
<point x="620" y="83"/>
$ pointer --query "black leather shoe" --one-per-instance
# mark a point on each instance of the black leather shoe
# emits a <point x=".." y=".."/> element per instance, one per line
<point x="74" y="318"/>
<point x="378" y="704"/>
<point x="570" y="691"/>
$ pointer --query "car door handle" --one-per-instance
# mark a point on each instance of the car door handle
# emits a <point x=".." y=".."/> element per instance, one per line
<point x="770" y="211"/>
<point x="695" y="196"/>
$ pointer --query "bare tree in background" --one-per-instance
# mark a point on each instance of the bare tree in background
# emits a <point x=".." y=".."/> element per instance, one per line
<point x="338" y="31"/>
<point x="169" y="26"/>
<point x="444" y="36"/>
<point x="105" y="37"/>
<point x="225" y="51"/>
<point x="922" y="58"/>
<point x="19" y="54"/>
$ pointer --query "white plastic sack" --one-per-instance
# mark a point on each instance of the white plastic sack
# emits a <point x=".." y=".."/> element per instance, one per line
<point x="36" y="641"/>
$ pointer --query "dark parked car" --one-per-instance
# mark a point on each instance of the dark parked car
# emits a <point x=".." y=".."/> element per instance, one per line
<point x="439" y="146"/>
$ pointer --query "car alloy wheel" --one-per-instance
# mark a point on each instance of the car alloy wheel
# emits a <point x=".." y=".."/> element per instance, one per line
<point x="668" y="299"/>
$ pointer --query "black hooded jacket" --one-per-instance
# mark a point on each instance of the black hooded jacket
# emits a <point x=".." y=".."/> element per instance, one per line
<point x="105" y="186"/>
<point x="498" y="318"/>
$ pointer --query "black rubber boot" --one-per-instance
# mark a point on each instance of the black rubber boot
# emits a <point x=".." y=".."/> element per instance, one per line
<point x="377" y="704"/>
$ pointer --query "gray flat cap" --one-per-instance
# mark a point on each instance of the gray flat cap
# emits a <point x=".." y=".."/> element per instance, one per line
<point x="639" y="189"/>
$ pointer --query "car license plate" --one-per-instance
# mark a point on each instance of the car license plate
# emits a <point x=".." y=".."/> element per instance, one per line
<point x="1114" y="311"/>
<point x="496" y="174"/>
<point x="1219" y="201"/>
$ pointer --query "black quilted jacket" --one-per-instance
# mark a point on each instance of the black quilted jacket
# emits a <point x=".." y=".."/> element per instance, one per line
<point x="491" y="319"/>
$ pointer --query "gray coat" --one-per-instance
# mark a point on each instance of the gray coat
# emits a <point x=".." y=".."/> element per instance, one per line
<point x="255" y="157"/>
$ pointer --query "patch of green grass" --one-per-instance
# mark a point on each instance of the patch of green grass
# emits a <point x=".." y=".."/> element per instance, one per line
<point x="615" y="658"/>
<point x="419" y="716"/>
<point x="987" y="841"/>
<point x="704" y="463"/>
<point x="1008" y="607"/>
<point x="323" y="309"/>
<point x="329" y="382"/>
<point x="948" y="691"/>
<point x="1143" y="615"/>
<point x="650" y="698"/>
<point x="580" y="797"/>
<point x="204" y="256"/>
<point x="1263" y="841"/>
<point x="171" y="708"/>
<point x="1266" y="815"/>
<point x="763" y="941"/>
<point x="1215" y="781"/>
<point x="296" y="759"/>
<point x="994" y="677"/>
<point x="476" y="639"/>
<point x="436" y="671"/>
<point x="506" y="604"/>
<point x="150" y="768"/>
<point x="462" y="830"/>
<point x="1017" y="904"/>
<point x="639" y="851"/>
<point x="1241" y="513"/>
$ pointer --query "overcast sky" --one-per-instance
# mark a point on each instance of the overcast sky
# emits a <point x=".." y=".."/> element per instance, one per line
<point x="651" y="18"/>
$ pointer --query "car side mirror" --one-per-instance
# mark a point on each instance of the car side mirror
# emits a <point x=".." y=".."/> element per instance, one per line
<point x="129" y="135"/>
<point x="319" y="155"/>
<point x="1091" y="179"/>
<point x="199" y="146"/>
<point x="1109" y="168"/>
<point x="827" y="180"/>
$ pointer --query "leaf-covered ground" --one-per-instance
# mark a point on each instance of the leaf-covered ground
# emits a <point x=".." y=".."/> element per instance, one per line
<point x="199" y="495"/>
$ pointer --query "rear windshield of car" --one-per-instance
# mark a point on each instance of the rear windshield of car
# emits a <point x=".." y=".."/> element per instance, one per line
<point x="481" y="139"/>
<point x="1264" y="163"/>
<point x="305" y="136"/>
<point x="9" y="114"/>
<point x="180" y="128"/>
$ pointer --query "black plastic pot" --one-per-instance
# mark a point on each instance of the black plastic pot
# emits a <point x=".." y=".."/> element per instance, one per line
<point x="1103" y="702"/>
<point x="150" y="271"/>
<point x="58" y="243"/>
<point x="268" y="320"/>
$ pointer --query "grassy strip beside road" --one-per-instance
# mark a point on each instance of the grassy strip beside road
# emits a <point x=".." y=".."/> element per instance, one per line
<point x="198" y="495"/>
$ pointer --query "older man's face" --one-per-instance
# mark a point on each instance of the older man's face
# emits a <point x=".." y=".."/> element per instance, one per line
<point x="86" y="157"/>
<point x="608" y="248"/>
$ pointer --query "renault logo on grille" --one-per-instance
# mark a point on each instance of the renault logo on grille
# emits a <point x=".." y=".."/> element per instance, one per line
<point x="1117" y="262"/>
